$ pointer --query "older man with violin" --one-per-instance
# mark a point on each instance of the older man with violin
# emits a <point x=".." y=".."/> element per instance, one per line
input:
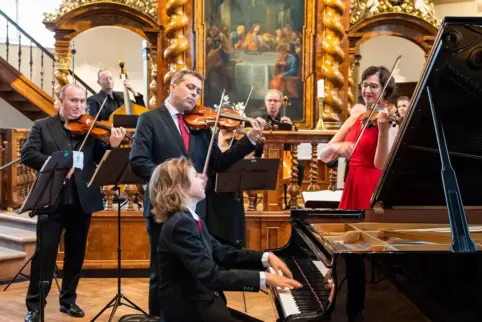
<point x="76" y="201"/>
<point x="162" y="134"/>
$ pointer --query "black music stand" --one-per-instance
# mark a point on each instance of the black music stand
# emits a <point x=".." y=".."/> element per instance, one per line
<point x="114" y="170"/>
<point x="249" y="174"/>
<point x="126" y="121"/>
<point x="43" y="200"/>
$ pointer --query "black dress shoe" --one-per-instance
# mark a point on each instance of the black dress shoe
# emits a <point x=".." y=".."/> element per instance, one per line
<point x="32" y="316"/>
<point x="72" y="310"/>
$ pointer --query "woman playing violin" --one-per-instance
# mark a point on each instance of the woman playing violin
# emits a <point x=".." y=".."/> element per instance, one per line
<point x="369" y="156"/>
<point x="367" y="159"/>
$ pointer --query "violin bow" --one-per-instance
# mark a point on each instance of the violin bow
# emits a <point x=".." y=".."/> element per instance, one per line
<point x="243" y="114"/>
<point x="93" y="123"/>
<point x="397" y="61"/>
<point x="210" y="149"/>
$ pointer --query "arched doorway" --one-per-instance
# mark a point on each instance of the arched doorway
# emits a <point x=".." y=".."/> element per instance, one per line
<point x="409" y="27"/>
<point x="74" y="18"/>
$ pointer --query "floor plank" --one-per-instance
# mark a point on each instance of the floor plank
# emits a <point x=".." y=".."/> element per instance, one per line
<point x="95" y="293"/>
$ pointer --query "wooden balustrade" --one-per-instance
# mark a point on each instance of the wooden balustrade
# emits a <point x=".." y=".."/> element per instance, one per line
<point x="18" y="179"/>
<point x="273" y="149"/>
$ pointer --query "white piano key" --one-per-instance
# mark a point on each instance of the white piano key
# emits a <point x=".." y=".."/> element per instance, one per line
<point x="286" y="299"/>
<point x="288" y="303"/>
<point x="321" y="267"/>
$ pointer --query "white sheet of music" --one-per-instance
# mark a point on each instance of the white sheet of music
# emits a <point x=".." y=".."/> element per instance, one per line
<point x="323" y="195"/>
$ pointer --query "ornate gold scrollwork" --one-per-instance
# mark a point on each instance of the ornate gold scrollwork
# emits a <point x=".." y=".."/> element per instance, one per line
<point x="62" y="66"/>
<point x="423" y="9"/>
<point x="149" y="7"/>
<point x="178" y="44"/>
<point x="333" y="57"/>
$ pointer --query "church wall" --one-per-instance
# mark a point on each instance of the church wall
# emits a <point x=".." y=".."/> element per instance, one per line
<point x="11" y="118"/>
<point x="384" y="50"/>
<point x="30" y="16"/>
<point x="458" y="9"/>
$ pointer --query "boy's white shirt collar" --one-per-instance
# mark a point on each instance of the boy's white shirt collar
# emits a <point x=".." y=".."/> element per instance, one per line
<point x="192" y="209"/>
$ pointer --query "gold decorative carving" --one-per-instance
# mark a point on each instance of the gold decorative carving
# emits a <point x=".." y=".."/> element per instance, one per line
<point x="178" y="45"/>
<point x="333" y="57"/>
<point x="153" y="85"/>
<point x="149" y="7"/>
<point x="351" y="82"/>
<point x="423" y="9"/>
<point x="62" y="60"/>
<point x="62" y="66"/>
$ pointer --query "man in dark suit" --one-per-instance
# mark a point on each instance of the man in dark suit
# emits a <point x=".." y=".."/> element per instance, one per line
<point x="161" y="135"/>
<point x="76" y="201"/>
<point x="114" y="99"/>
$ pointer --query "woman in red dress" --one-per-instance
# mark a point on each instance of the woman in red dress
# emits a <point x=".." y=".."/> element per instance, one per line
<point x="371" y="152"/>
<point x="364" y="169"/>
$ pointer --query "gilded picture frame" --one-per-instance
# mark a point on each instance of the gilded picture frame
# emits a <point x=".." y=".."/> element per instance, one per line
<point x="209" y="13"/>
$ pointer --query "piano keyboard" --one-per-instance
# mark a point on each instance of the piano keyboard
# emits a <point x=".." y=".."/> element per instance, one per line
<point x="313" y="296"/>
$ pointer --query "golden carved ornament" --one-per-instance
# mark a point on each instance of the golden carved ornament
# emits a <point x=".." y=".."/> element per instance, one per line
<point x="351" y="84"/>
<point x="333" y="57"/>
<point x="423" y="9"/>
<point x="149" y="7"/>
<point x="178" y="44"/>
<point x="153" y="85"/>
<point x="62" y="60"/>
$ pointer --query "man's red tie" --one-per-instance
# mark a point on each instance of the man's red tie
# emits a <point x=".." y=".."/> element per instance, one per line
<point x="184" y="132"/>
<point x="198" y="222"/>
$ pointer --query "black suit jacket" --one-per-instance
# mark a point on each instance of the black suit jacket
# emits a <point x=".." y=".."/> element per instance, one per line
<point x="190" y="267"/>
<point x="48" y="136"/>
<point x="157" y="139"/>
<point x="94" y="103"/>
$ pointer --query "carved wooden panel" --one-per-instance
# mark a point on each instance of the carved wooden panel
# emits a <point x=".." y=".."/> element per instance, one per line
<point x="267" y="230"/>
<point x="101" y="250"/>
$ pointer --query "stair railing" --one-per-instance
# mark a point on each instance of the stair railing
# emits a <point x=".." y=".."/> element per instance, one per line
<point x="46" y="58"/>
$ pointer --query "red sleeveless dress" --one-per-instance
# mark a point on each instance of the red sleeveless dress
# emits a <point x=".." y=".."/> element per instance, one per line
<point x="362" y="175"/>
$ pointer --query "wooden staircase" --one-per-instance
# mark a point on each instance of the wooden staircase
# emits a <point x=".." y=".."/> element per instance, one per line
<point x="17" y="243"/>
<point x="29" y="83"/>
<point x="23" y="94"/>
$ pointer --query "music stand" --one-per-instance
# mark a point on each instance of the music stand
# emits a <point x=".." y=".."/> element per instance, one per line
<point x="126" y="121"/>
<point x="43" y="199"/>
<point x="114" y="170"/>
<point x="248" y="174"/>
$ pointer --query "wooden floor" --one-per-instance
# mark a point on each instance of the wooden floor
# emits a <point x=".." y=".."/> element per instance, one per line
<point x="95" y="293"/>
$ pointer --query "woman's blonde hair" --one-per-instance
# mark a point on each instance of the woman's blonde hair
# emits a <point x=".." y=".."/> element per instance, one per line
<point x="167" y="187"/>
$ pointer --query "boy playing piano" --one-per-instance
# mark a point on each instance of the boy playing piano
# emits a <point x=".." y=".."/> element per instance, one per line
<point x="190" y="258"/>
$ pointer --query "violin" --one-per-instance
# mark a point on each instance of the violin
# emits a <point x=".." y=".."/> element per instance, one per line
<point x="202" y="117"/>
<point x="393" y="117"/>
<point x="82" y="125"/>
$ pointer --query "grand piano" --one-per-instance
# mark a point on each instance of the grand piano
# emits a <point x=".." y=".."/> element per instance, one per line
<point x="421" y="243"/>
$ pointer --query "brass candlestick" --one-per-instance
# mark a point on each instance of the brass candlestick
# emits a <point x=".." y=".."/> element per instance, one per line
<point x="320" y="125"/>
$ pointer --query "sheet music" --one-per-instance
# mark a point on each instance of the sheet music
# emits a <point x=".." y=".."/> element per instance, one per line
<point x="324" y="195"/>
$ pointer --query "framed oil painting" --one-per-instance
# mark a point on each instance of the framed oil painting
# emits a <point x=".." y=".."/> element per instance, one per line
<point x="253" y="45"/>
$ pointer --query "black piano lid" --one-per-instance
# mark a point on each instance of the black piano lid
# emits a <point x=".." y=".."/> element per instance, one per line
<point x="453" y="73"/>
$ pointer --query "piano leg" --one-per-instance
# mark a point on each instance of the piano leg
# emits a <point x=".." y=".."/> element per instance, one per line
<point x="355" y="278"/>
